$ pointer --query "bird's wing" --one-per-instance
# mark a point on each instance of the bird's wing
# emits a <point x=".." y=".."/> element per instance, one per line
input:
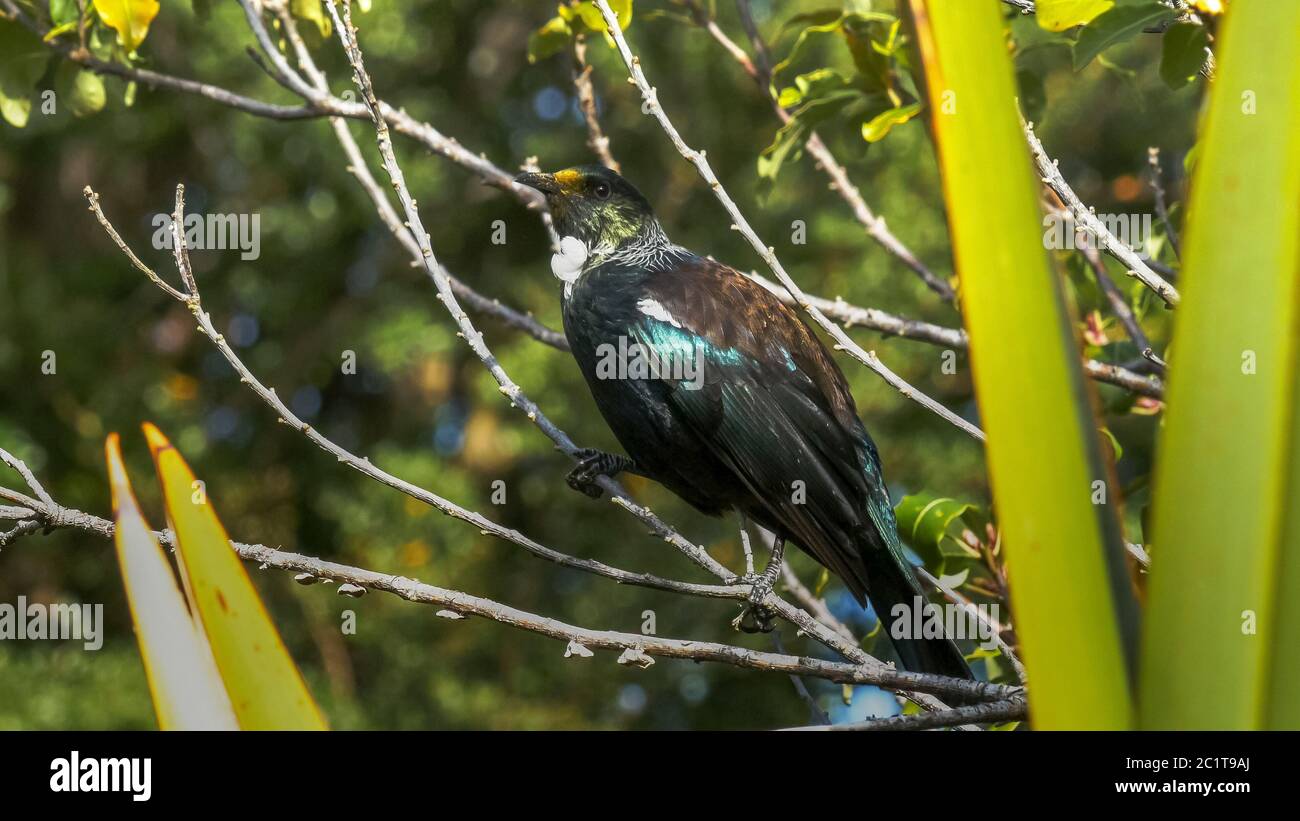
<point x="774" y="407"/>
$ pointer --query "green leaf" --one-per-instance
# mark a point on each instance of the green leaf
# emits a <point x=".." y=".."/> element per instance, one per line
<point x="313" y="12"/>
<point x="103" y="44"/>
<point x="923" y="523"/>
<point x="1222" y="640"/>
<point x="1118" y="24"/>
<point x="22" y="63"/>
<point x="266" y="689"/>
<point x="187" y="690"/>
<point x="1059" y="15"/>
<point x="813" y="85"/>
<point x="551" y="38"/>
<point x="823" y="579"/>
<point x="812" y="18"/>
<point x="1074" y="610"/>
<point x="790" y="138"/>
<point x="87" y="94"/>
<point x="131" y="19"/>
<point x="63" y="12"/>
<point x="875" y="129"/>
<point x="868" y="39"/>
<point x="61" y="29"/>
<point x="802" y="40"/>
<point x="588" y="14"/>
<point x="1182" y="52"/>
<point x="15" y="110"/>
<point x="1115" y="447"/>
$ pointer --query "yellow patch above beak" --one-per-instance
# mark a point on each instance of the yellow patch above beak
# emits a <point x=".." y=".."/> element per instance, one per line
<point x="569" y="179"/>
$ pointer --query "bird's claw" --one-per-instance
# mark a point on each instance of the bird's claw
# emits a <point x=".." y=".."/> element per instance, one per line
<point x="592" y="464"/>
<point x="755" y="617"/>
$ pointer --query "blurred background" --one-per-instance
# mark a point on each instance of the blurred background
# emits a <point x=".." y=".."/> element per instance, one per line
<point x="330" y="279"/>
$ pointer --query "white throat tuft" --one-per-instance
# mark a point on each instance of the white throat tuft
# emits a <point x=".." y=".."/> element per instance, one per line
<point x="568" y="262"/>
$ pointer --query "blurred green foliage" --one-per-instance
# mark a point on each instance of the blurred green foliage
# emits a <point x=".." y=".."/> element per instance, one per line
<point x="330" y="279"/>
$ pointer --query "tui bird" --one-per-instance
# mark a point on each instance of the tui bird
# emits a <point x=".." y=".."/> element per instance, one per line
<point x="718" y="391"/>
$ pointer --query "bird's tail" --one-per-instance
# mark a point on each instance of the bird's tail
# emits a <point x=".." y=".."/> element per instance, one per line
<point x="892" y="582"/>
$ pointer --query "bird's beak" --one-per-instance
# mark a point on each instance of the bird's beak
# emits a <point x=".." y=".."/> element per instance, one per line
<point x="546" y="183"/>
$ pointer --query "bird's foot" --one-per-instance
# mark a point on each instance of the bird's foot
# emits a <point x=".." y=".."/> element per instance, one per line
<point x="593" y="464"/>
<point x="754" y="618"/>
<point x="757" y="617"/>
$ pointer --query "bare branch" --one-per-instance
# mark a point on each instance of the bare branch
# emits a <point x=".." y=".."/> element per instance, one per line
<point x="1051" y="177"/>
<point x="20" y="467"/>
<point x="56" y="516"/>
<point x="415" y="591"/>
<point x="596" y="139"/>
<point x="1014" y="709"/>
<point x="18" y="531"/>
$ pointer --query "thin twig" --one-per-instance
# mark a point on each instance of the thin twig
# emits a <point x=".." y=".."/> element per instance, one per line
<point x="597" y="141"/>
<point x="1162" y="210"/>
<point x="991" y="712"/>
<point x="1052" y="178"/>
<point x="20" y="467"/>
<point x="1118" y="304"/>
<point x="801" y="689"/>
<point x="814" y="603"/>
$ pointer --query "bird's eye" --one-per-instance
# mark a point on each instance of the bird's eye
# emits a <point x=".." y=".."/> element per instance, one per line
<point x="602" y="190"/>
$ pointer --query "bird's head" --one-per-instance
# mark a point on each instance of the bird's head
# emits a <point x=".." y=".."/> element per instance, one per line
<point x="595" y="205"/>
